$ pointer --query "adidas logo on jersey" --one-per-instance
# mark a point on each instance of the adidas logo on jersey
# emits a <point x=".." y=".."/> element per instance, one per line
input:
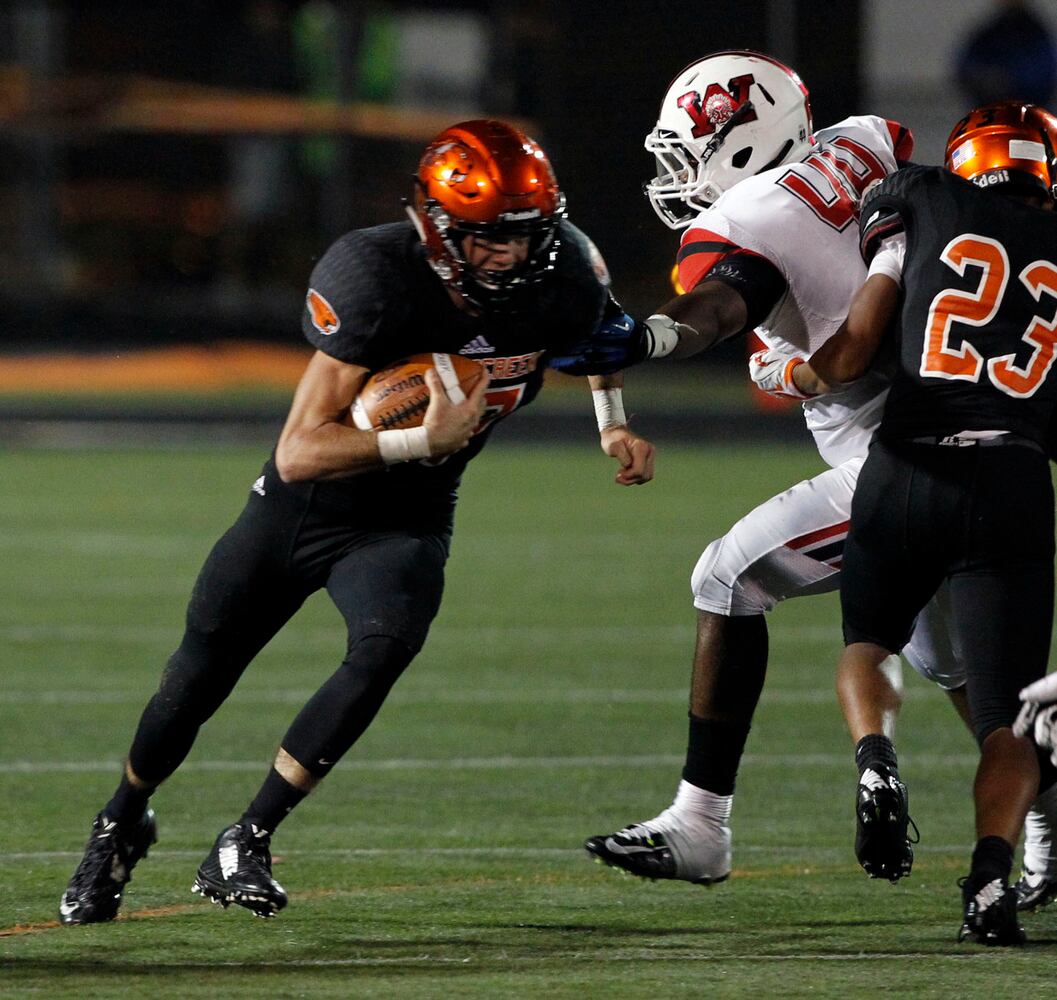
<point x="258" y="486"/>
<point x="477" y="346"/>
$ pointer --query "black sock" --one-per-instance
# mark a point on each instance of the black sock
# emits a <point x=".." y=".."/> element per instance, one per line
<point x="129" y="802"/>
<point x="992" y="858"/>
<point x="713" y="754"/>
<point x="275" y="799"/>
<point x="877" y="753"/>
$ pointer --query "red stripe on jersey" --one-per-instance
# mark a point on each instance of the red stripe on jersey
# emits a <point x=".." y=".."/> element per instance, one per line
<point x="693" y="269"/>
<point x="700" y="251"/>
<point x="902" y="140"/>
<point x="820" y="535"/>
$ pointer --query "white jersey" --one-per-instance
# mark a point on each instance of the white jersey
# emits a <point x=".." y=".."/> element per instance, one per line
<point x="803" y="218"/>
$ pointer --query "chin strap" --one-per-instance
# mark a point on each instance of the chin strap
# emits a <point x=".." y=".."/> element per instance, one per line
<point x="415" y="221"/>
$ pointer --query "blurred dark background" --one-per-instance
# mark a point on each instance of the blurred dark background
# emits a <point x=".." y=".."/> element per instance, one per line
<point x="170" y="171"/>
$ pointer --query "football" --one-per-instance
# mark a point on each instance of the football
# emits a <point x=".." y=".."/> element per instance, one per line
<point x="396" y="397"/>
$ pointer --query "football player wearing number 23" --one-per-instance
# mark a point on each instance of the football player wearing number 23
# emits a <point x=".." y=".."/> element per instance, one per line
<point x="956" y="487"/>
<point x="486" y="267"/>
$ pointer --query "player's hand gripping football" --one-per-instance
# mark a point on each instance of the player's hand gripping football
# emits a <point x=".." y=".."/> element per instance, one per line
<point x="449" y="426"/>
<point x="635" y="455"/>
<point x="1038" y="714"/>
<point x="772" y="371"/>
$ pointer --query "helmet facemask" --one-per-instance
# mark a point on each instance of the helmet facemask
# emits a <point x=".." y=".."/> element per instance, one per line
<point x="492" y="289"/>
<point x="681" y="188"/>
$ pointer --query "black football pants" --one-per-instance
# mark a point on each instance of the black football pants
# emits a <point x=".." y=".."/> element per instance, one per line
<point x="286" y="545"/>
<point x="981" y="517"/>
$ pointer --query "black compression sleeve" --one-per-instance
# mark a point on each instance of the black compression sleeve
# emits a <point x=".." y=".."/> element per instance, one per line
<point x="755" y="279"/>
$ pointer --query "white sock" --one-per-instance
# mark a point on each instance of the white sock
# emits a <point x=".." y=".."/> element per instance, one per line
<point x="695" y="808"/>
<point x="693" y="801"/>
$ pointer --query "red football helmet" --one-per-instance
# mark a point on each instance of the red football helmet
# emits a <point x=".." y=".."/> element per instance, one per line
<point x="1006" y="143"/>
<point x="488" y="179"/>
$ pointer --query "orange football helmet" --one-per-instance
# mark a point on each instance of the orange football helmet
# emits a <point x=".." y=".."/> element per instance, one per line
<point x="1006" y="143"/>
<point x="489" y="179"/>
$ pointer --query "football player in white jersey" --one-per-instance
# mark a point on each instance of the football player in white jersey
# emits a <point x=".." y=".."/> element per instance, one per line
<point x="769" y="211"/>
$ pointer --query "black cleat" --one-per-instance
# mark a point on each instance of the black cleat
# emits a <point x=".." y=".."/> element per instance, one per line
<point x="634" y="850"/>
<point x="882" y="843"/>
<point x="663" y="848"/>
<point x="1034" y="891"/>
<point x="990" y="914"/>
<point x="94" y="893"/>
<point x="239" y="870"/>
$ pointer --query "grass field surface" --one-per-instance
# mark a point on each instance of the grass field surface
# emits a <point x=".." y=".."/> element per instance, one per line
<point x="442" y="857"/>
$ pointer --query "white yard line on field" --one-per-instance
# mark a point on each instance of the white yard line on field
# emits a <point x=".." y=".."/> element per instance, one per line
<point x="560" y="634"/>
<point x="503" y="763"/>
<point x="817" y="854"/>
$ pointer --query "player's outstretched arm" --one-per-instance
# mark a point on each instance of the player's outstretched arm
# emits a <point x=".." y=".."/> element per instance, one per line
<point x="709" y="314"/>
<point x="634" y="454"/>
<point x="686" y="325"/>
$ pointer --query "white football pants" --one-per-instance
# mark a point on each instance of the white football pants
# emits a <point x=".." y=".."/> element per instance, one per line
<point x="792" y="545"/>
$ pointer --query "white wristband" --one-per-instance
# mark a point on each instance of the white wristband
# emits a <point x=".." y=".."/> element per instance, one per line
<point x="609" y="407"/>
<point x="403" y="446"/>
<point x="663" y="334"/>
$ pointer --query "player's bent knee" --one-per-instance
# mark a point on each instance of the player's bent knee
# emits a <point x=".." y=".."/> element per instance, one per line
<point x="380" y="653"/>
<point x="720" y="587"/>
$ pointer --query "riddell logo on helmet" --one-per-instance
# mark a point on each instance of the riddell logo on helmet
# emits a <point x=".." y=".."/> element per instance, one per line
<point x="991" y="177"/>
<point x="531" y="213"/>
<point x="324" y="319"/>
<point x="715" y="109"/>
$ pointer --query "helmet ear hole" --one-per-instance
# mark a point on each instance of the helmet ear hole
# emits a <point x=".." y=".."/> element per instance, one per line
<point x="741" y="157"/>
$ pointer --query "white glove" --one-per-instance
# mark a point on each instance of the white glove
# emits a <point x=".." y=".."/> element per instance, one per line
<point x="1038" y="716"/>
<point x="772" y="371"/>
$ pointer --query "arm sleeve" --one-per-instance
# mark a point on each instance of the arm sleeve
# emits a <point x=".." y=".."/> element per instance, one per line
<point x="760" y="284"/>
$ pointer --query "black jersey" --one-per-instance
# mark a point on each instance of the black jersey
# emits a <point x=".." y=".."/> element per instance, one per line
<point x="373" y="299"/>
<point x="976" y="327"/>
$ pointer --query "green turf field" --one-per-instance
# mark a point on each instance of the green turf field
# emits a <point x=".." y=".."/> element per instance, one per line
<point x="442" y="858"/>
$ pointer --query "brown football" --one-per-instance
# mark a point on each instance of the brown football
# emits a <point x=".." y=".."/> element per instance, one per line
<point x="395" y="397"/>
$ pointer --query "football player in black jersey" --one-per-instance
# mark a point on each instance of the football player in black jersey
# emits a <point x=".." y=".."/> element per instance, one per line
<point x="957" y="485"/>
<point x="487" y="266"/>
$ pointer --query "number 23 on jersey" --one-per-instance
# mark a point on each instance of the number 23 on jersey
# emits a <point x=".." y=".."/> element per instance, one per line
<point x="978" y="308"/>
